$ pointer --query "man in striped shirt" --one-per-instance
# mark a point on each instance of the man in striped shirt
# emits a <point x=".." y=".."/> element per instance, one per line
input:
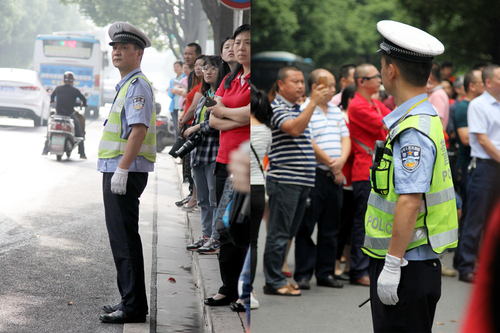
<point x="291" y="173"/>
<point x="331" y="144"/>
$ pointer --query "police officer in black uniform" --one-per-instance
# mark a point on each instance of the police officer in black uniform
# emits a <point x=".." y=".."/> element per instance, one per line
<point x="65" y="98"/>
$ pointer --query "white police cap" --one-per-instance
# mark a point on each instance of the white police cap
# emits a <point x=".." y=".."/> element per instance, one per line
<point x="123" y="32"/>
<point x="408" y="43"/>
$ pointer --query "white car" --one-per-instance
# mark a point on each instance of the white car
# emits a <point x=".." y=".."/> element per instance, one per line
<point x="109" y="90"/>
<point x="22" y="95"/>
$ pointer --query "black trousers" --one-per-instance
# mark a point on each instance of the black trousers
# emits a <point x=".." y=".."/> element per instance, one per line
<point x="325" y="208"/>
<point x="257" y="211"/>
<point x="122" y="222"/>
<point x="347" y="219"/>
<point x="419" y="291"/>
<point x="231" y="257"/>
<point x="359" y="262"/>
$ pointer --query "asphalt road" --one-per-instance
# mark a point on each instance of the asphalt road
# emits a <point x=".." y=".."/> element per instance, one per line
<point x="56" y="265"/>
<point x="322" y="309"/>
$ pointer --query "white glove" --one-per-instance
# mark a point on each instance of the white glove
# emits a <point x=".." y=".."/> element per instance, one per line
<point x="119" y="181"/>
<point x="388" y="280"/>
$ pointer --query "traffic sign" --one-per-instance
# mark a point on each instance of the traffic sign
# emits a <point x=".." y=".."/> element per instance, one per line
<point x="236" y="4"/>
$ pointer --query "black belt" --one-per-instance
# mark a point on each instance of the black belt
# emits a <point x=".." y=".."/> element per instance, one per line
<point x="487" y="161"/>
<point x="325" y="173"/>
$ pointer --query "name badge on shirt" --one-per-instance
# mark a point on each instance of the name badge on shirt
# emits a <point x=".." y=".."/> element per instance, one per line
<point x="139" y="102"/>
<point x="410" y="157"/>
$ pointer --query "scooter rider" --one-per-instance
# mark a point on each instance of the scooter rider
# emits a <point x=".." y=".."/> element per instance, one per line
<point x="65" y="98"/>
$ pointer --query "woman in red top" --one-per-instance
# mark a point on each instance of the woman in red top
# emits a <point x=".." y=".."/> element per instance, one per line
<point x="194" y="95"/>
<point x="231" y="116"/>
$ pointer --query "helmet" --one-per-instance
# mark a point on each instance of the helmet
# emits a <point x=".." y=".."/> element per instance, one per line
<point x="69" y="77"/>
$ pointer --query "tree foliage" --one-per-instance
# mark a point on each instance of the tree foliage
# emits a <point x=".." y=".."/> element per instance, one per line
<point x="335" y="32"/>
<point x="470" y="30"/>
<point x="172" y="22"/>
<point x="23" y="20"/>
<point x="330" y="32"/>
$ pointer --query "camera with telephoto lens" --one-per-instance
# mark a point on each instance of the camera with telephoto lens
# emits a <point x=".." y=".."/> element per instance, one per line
<point x="193" y="141"/>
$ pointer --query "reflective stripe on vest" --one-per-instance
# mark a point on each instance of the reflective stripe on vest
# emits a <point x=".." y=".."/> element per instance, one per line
<point x="432" y="199"/>
<point x="112" y="144"/>
<point x="437" y="223"/>
<point x="438" y="240"/>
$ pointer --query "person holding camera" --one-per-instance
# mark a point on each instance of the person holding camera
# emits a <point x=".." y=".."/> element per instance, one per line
<point x="204" y="141"/>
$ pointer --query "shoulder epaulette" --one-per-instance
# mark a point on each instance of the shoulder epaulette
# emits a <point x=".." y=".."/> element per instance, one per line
<point x="134" y="80"/>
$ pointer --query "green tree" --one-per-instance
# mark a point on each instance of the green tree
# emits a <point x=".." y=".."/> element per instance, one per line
<point x="23" y="20"/>
<point x="469" y="30"/>
<point x="273" y="24"/>
<point x="172" y="22"/>
<point x="167" y="21"/>
<point x="331" y="32"/>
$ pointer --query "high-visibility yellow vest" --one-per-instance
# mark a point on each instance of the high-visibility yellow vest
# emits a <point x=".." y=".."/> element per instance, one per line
<point x="437" y="223"/>
<point x="112" y="144"/>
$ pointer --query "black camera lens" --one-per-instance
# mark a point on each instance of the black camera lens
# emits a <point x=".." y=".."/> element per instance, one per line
<point x="189" y="145"/>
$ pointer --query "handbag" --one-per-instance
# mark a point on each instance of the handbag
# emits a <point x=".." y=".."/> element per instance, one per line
<point x="223" y="209"/>
<point x="232" y="220"/>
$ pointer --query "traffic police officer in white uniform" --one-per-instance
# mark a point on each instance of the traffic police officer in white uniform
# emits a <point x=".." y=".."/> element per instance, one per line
<point x="127" y="153"/>
<point x="411" y="213"/>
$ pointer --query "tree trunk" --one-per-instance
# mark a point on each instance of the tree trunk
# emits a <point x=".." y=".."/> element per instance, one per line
<point x="226" y="25"/>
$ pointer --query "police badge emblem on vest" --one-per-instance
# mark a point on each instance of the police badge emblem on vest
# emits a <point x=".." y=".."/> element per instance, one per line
<point x="410" y="157"/>
<point x="139" y="102"/>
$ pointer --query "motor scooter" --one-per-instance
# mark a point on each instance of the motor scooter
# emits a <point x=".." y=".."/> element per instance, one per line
<point x="61" y="136"/>
<point x="165" y="134"/>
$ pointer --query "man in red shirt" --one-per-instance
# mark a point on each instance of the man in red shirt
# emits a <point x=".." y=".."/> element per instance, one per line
<point x="366" y="126"/>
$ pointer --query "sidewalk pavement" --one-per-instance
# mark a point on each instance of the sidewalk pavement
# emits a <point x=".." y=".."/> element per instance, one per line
<point x="206" y="267"/>
<point x="177" y="280"/>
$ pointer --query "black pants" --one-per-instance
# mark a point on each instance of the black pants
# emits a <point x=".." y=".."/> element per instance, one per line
<point x="359" y="262"/>
<point x="122" y="222"/>
<point x="221" y="175"/>
<point x="257" y="211"/>
<point x="78" y="133"/>
<point x="346" y="218"/>
<point x="231" y="257"/>
<point x="325" y="207"/>
<point x="419" y="291"/>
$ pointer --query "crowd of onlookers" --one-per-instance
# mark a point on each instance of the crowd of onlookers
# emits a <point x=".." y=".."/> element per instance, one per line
<point x="317" y="169"/>
<point x="211" y="110"/>
<point x="310" y="158"/>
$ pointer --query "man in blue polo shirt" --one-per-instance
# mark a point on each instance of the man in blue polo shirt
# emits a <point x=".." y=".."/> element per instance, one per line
<point x="291" y="173"/>
<point x="332" y="145"/>
<point x="484" y="141"/>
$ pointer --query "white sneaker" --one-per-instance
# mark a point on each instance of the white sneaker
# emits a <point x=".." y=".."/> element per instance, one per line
<point x="254" y="303"/>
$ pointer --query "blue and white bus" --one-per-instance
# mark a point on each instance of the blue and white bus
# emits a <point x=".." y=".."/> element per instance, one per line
<point x="78" y="52"/>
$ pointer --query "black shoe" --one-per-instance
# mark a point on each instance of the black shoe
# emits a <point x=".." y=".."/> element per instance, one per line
<point x="111" y="308"/>
<point x="331" y="282"/>
<point x="344" y="276"/>
<point x="467" y="277"/>
<point x="83" y="156"/>
<point x="304" y="284"/>
<point x="237" y="307"/>
<point x="183" y="201"/>
<point x="210" y="301"/>
<point x="119" y="317"/>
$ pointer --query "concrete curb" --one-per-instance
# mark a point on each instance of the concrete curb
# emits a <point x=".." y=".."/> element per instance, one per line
<point x="207" y="315"/>
<point x="206" y="271"/>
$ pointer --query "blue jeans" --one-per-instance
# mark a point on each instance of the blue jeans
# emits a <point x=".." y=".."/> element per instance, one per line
<point x="287" y="204"/>
<point x="204" y="179"/>
<point x="325" y="208"/>
<point x="483" y="183"/>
